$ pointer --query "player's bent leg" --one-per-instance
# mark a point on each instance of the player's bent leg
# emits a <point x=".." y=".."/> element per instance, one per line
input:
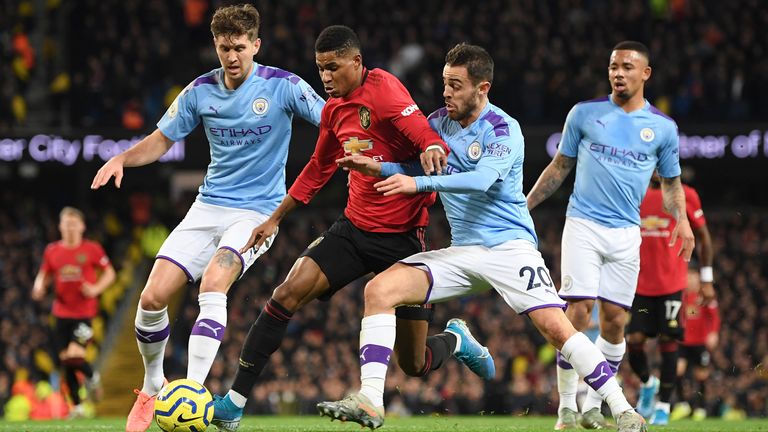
<point x="410" y="343"/>
<point x="588" y="362"/>
<point x="305" y="282"/>
<point x="152" y="332"/>
<point x="164" y="280"/>
<point x="208" y="330"/>
<point x="399" y="284"/>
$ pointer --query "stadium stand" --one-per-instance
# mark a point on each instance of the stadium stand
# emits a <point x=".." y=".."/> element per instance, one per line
<point x="124" y="68"/>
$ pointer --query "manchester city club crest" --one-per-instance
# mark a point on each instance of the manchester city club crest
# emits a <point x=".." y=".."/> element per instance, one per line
<point x="365" y="116"/>
<point x="647" y="135"/>
<point x="173" y="110"/>
<point x="474" y="151"/>
<point x="260" y="106"/>
<point x="567" y="283"/>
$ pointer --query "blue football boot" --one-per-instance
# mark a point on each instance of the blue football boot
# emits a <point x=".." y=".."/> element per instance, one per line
<point x="477" y="357"/>
<point x="226" y="415"/>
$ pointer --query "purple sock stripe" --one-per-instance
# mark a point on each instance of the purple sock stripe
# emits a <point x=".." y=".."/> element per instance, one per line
<point x="184" y="269"/>
<point x="242" y="261"/>
<point x="374" y="353"/>
<point x="209" y="328"/>
<point x="152" y="337"/>
<point x="614" y="365"/>
<point x="562" y="362"/>
<point x="599" y="376"/>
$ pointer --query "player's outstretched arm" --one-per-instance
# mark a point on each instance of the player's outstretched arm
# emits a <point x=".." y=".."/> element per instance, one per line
<point x="674" y="203"/>
<point x="262" y="232"/>
<point x="144" y="152"/>
<point x="550" y="179"/>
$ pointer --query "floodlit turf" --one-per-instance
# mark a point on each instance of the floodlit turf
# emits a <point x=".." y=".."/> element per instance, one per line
<point x="406" y="424"/>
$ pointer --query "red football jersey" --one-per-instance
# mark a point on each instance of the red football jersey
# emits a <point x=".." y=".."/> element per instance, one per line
<point x="379" y="119"/>
<point x="698" y="321"/>
<point x="662" y="272"/>
<point x="71" y="267"/>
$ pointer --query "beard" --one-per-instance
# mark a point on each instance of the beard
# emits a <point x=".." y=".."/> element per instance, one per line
<point x="463" y="114"/>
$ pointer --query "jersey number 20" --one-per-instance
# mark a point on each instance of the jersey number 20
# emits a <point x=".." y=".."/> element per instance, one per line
<point x="541" y="272"/>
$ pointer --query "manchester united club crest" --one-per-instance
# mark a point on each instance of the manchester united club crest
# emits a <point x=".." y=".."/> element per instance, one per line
<point x="81" y="258"/>
<point x="365" y="116"/>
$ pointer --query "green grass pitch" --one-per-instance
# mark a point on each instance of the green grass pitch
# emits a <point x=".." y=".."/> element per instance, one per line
<point x="405" y="424"/>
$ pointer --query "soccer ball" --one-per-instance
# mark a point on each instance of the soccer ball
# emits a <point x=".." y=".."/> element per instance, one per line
<point x="184" y="406"/>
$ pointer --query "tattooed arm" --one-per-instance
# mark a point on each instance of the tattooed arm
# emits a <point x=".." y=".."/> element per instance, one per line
<point x="551" y="179"/>
<point x="674" y="204"/>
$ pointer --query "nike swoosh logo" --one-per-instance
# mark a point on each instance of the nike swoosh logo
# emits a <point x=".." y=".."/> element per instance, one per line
<point x="182" y="419"/>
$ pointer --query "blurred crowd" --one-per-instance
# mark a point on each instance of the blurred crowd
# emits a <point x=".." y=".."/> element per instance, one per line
<point x="121" y="63"/>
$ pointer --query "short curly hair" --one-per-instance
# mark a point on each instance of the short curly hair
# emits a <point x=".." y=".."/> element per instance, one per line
<point x="338" y="39"/>
<point x="236" y="20"/>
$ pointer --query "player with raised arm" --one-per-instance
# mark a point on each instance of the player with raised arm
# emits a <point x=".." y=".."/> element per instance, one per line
<point x="81" y="271"/>
<point x="656" y="310"/>
<point x="369" y="112"/>
<point x="615" y="143"/>
<point x="246" y="110"/>
<point x="493" y="246"/>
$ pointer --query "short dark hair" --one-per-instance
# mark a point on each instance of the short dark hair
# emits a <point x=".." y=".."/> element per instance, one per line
<point x="477" y="60"/>
<point x="236" y="20"/>
<point x="337" y="38"/>
<point x="639" y="47"/>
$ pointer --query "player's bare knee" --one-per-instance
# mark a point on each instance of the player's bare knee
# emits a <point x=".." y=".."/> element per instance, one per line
<point x="151" y="301"/>
<point x="613" y="325"/>
<point x="377" y="296"/>
<point x="578" y="313"/>
<point x="290" y="293"/>
<point x="216" y="282"/>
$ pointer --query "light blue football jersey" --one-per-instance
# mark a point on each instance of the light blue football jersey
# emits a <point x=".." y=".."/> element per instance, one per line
<point x="616" y="154"/>
<point x="248" y="131"/>
<point x="499" y="214"/>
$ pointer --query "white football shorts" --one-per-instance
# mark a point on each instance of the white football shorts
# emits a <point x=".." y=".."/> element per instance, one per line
<point x="514" y="269"/>
<point x="599" y="262"/>
<point x="207" y="228"/>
